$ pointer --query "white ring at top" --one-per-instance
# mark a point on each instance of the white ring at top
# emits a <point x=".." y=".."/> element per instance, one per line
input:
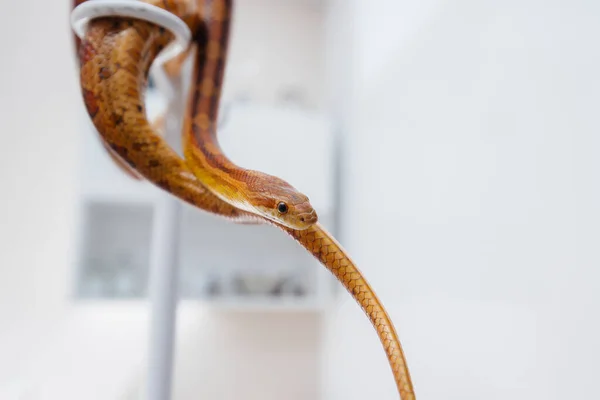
<point x="91" y="9"/>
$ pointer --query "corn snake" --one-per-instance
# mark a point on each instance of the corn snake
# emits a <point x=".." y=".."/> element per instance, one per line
<point x="115" y="57"/>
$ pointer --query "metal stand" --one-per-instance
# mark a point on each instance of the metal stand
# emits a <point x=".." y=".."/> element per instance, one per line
<point x="164" y="264"/>
<point x="163" y="296"/>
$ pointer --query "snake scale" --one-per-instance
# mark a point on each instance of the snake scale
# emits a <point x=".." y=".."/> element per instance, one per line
<point x="115" y="56"/>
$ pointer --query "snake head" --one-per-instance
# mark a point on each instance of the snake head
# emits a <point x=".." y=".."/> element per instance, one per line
<point x="278" y="201"/>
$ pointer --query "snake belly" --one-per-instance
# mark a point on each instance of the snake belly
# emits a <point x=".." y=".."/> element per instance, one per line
<point x="116" y="55"/>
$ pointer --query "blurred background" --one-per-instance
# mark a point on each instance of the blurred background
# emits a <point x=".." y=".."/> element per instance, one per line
<point x="453" y="149"/>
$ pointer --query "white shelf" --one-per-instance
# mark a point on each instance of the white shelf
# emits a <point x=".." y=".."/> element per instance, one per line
<point x="246" y="304"/>
<point x="231" y="304"/>
<point x="114" y="259"/>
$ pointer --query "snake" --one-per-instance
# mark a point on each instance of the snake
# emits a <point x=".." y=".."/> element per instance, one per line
<point x="115" y="55"/>
<point x="252" y="191"/>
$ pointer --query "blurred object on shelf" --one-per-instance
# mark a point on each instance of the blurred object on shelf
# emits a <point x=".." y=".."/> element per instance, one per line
<point x="214" y="286"/>
<point x="293" y="96"/>
<point x="275" y="284"/>
<point x="254" y="283"/>
<point x="294" y="283"/>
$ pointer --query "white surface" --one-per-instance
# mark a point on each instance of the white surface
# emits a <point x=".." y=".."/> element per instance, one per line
<point x="97" y="352"/>
<point x="89" y="10"/>
<point x="38" y="163"/>
<point x="251" y="358"/>
<point x="276" y="46"/>
<point x="473" y="209"/>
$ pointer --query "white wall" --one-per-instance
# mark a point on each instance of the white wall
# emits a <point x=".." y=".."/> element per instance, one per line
<point x="39" y="124"/>
<point x="472" y="199"/>
<point x="276" y="46"/>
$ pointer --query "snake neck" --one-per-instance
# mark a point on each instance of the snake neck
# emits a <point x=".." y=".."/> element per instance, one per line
<point x="218" y="174"/>
<point x="211" y="40"/>
<point x="201" y="148"/>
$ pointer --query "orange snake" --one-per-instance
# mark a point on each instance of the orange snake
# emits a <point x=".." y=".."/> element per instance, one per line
<point x="251" y="191"/>
<point x="115" y="57"/>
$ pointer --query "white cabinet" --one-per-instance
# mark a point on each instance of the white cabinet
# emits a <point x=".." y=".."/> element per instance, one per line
<point x="222" y="263"/>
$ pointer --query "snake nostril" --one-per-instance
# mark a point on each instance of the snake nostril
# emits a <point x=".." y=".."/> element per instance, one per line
<point x="302" y="219"/>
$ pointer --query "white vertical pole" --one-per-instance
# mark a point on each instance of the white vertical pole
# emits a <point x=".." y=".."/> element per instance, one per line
<point x="163" y="296"/>
<point x="164" y="264"/>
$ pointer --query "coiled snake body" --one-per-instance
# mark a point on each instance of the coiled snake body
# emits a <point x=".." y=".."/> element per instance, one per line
<point x="115" y="57"/>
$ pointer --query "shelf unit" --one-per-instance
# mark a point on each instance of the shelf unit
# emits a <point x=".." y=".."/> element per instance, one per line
<point x="228" y="266"/>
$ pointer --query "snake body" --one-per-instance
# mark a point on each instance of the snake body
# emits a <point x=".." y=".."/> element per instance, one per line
<point x="252" y="191"/>
<point x="115" y="57"/>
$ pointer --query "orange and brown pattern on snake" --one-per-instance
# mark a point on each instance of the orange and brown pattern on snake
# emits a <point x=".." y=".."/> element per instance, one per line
<point x="238" y="186"/>
<point x="81" y="51"/>
<point x="331" y="254"/>
<point x="204" y="101"/>
<point x="115" y="101"/>
<point x="121" y="95"/>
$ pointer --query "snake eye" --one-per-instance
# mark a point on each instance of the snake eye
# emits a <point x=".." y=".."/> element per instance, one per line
<point x="282" y="208"/>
